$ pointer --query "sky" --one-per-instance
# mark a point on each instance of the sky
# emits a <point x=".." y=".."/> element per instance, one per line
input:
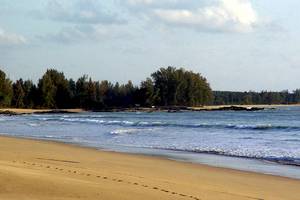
<point x="238" y="45"/>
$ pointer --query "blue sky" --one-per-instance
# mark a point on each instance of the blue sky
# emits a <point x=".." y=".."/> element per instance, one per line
<point x="237" y="44"/>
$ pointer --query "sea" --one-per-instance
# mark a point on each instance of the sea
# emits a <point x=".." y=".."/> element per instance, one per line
<point x="266" y="141"/>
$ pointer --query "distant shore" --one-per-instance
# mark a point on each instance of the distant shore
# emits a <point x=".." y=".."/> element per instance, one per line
<point x="94" y="174"/>
<point x="16" y="111"/>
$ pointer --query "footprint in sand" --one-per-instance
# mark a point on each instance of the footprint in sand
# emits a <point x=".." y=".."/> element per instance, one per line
<point x="116" y="180"/>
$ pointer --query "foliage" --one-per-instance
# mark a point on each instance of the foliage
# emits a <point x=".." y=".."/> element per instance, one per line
<point x="263" y="97"/>
<point x="19" y="94"/>
<point x="177" y="87"/>
<point x="54" y="90"/>
<point x="166" y="87"/>
<point x="6" y="91"/>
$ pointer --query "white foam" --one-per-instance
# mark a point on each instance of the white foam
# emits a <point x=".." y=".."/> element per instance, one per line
<point x="124" y="131"/>
<point x="33" y="124"/>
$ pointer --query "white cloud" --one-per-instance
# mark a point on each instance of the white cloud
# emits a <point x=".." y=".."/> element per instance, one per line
<point x="92" y="33"/>
<point x="149" y="2"/>
<point x="11" y="38"/>
<point x="80" y="20"/>
<point x="93" y="20"/>
<point x="140" y="4"/>
<point x="218" y="15"/>
<point x="134" y="2"/>
<point x="81" y="12"/>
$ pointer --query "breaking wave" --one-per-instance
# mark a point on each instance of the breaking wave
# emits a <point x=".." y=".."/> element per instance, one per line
<point x="127" y="123"/>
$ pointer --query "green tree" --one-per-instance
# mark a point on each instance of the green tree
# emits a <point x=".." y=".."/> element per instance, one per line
<point x="6" y="90"/>
<point x="127" y="93"/>
<point x="106" y="93"/>
<point x="54" y="89"/>
<point x="166" y="84"/>
<point x="47" y="91"/>
<point x="91" y="94"/>
<point x="81" y="91"/>
<point x="146" y="94"/>
<point x="18" y="94"/>
<point x="30" y="94"/>
<point x="181" y="88"/>
<point x="296" y="96"/>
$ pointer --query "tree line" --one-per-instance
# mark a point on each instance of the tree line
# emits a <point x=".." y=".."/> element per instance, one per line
<point x="166" y="87"/>
<point x="263" y="97"/>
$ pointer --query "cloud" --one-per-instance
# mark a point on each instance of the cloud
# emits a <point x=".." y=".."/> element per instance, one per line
<point x="7" y="38"/>
<point x="146" y="5"/>
<point x="93" y="33"/>
<point x="80" y="20"/>
<point x="160" y="3"/>
<point x="81" y="12"/>
<point x="151" y="2"/>
<point x="93" y="20"/>
<point x="215" y="15"/>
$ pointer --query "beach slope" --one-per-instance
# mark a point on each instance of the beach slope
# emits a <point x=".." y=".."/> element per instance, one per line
<point x="32" y="170"/>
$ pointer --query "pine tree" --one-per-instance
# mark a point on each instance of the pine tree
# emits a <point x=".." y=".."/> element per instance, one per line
<point x="6" y="90"/>
<point x="18" y="94"/>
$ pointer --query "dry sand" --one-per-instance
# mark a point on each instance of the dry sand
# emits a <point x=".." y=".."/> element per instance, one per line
<point x="32" y="170"/>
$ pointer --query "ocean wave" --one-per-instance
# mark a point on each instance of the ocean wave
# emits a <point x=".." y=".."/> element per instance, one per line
<point x="124" y="131"/>
<point x="248" y="138"/>
<point x="104" y="121"/>
<point x="33" y="124"/>
<point x="50" y="137"/>
<point x="128" y="131"/>
<point x="292" y="140"/>
<point x="286" y="160"/>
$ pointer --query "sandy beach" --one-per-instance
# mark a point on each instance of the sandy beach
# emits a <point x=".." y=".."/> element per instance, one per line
<point x="213" y="107"/>
<point x="31" y="169"/>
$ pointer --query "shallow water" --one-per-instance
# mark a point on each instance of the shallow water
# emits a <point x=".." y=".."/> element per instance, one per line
<point x="264" y="136"/>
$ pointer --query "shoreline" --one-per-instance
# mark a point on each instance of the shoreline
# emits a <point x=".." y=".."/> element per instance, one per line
<point x="173" y="155"/>
<point x="155" y="156"/>
<point x="189" y="179"/>
<point x="182" y="154"/>
<point x="163" y="156"/>
<point x="237" y="163"/>
<point x="25" y="111"/>
<point x="21" y="111"/>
